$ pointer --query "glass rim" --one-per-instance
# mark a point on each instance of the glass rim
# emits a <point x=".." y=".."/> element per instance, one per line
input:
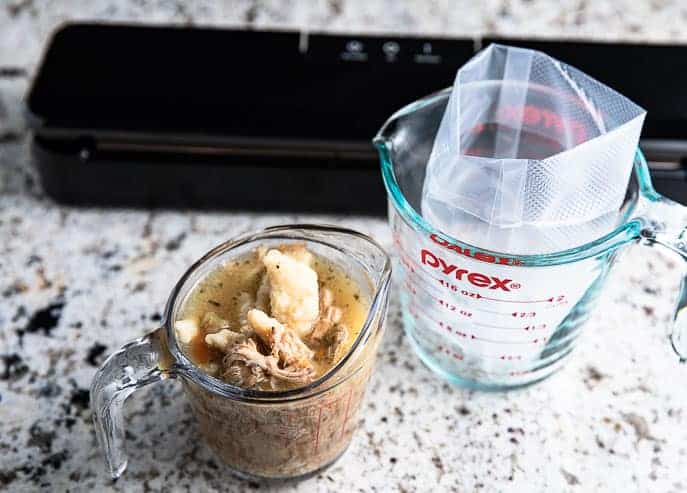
<point x="626" y="231"/>
<point x="184" y="366"/>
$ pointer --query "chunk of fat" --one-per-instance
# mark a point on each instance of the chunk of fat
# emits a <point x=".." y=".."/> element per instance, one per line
<point x="186" y="330"/>
<point x="224" y="340"/>
<point x="294" y="292"/>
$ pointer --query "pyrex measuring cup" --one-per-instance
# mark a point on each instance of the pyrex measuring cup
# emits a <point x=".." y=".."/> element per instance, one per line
<point x="494" y="320"/>
<point x="257" y="433"/>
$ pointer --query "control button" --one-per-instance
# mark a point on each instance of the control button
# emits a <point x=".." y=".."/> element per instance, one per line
<point x="391" y="48"/>
<point x="303" y="42"/>
<point x="354" y="46"/>
<point x="427" y="56"/>
<point x="354" y="51"/>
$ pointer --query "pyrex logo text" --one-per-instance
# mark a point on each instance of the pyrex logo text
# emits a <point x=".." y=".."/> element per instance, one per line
<point x="474" y="278"/>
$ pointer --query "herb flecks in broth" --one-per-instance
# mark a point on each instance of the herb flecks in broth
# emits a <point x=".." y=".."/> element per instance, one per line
<point x="274" y="319"/>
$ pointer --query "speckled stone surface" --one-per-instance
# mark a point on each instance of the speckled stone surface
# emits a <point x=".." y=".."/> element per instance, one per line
<point x="76" y="284"/>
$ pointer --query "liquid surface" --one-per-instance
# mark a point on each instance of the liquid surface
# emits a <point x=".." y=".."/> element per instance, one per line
<point x="222" y="292"/>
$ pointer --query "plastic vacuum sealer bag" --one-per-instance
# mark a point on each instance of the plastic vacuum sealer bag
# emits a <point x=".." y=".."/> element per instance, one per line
<point x="531" y="156"/>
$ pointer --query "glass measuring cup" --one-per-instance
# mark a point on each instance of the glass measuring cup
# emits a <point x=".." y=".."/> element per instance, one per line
<point x="258" y="434"/>
<point x="493" y="320"/>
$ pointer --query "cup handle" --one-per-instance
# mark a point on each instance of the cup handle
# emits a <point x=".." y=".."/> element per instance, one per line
<point x="135" y="365"/>
<point x="665" y="224"/>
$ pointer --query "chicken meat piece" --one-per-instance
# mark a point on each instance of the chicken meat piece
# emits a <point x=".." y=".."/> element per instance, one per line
<point x="239" y="370"/>
<point x="244" y="376"/>
<point x="298" y="252"/>
<point x="248" y="366"/>
<point x="262" y="297"/>
<point x="335" y="341"/>
<point x="186" y="330"/>
<point x="211" y="323"/>
<point x="329" y="315"/>
<point x="284" y="344"/>
<point x="246" y="303"/>
<point x="224" y="340"/>
<point x="294" y="298"/>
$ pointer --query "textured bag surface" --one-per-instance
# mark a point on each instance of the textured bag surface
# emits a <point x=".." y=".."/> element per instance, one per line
<point x="532" y="155"/>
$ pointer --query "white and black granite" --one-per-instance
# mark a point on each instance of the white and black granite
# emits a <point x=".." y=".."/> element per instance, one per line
<point x="75" y="284"/>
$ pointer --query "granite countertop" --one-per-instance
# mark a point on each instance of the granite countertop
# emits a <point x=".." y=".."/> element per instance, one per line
<point x="76" y="284"/>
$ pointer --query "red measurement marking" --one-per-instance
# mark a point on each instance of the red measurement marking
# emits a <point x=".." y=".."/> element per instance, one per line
<point x="317" y="432"/>
<point x="500" y="327"/>
<point x="467" y="335"/>
<point x="517" y="301"/>
<point x="493" y="312"/>
<point x="469" y="313"/>
<point x="535" y="327"/>
<point x="453" y="330"/>
<point x="450" y="329"/>
<point x="410" y="287"/>
<point x="453" y="308"/>
<point x="407" y="263"/>
<point x="448" y="285"/>
<point x="447" y="305"/>
<point x="413" y="311"/>
<point x="524" y="314"/>
<point x="461" y="357"/>
<point x="348" y="407"/>
<point x="471" y="294"/>
<point x="453" y="354"/>
<point x="289" y="424"/>
<point x="510" y="357"/>
<point x="499" y="356"/>
<point x="397" y="238"/>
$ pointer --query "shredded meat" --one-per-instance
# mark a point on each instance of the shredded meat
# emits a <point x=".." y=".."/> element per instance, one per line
<point x="328" y="333"/>
<point x="267" y="344"/>
<point x="246" y="366"/>
<point x="294" y="299"/>
<point x="240" y="368"/>
<point x="285" y="345"/>
<point x="336" y="341"/>
<point x="329" y="315"/>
